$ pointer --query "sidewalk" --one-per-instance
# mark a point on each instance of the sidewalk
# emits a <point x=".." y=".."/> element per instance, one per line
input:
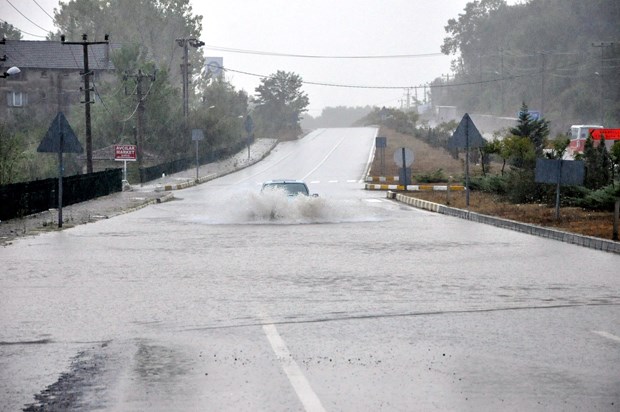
<point x="156" y="191"/>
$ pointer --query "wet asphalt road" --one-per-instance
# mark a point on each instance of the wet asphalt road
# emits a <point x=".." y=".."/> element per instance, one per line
<point x="347" y="301"/>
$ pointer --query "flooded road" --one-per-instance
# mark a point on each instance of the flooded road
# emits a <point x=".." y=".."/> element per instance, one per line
<point x="230" y="300"/>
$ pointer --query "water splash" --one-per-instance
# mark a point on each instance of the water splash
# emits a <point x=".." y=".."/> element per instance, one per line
<point x="276" y="207"/>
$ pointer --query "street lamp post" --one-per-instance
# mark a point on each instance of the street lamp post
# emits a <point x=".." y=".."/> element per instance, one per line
<point x="185" y="43"/>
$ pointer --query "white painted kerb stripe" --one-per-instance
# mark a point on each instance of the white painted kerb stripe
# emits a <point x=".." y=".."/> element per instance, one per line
<point x="607" y="335"/>
<point x="303" y="389"/>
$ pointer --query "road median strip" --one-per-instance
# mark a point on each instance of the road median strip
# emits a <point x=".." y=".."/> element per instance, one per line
<point x="414" y="188"/>
<point x="555" y="234"/>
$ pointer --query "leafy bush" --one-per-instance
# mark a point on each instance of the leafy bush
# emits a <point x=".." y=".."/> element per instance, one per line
<point x="602" y="199"/>
<point x="489" y="184"/>
<point x="521" y="188"/>
<point x="432" y="177"/>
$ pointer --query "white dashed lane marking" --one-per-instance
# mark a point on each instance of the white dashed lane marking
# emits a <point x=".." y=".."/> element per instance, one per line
<point x="607" y="335"/>
<point x="299" y="382"/>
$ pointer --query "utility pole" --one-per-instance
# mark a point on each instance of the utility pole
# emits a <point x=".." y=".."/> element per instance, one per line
<point x="408" y="99"/>
<point x="542" y="84"/>
<point x="185" y="43"/>
<point x="140" y="111"/>
<point x="502" y="84"/>
<point x="87" y="102"/>
<point x="602" y="46"/>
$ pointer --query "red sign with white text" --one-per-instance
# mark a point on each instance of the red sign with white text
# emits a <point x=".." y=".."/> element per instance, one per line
<point x="610" y="134"/>
<point x="125" y="152"/>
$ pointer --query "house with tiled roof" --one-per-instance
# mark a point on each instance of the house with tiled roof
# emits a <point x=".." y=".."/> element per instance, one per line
<point x="50" y="78"/>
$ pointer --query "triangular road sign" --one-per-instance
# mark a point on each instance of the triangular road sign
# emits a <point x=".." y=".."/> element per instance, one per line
<point x="465" y="129"/>
<point x="60" y="131"/>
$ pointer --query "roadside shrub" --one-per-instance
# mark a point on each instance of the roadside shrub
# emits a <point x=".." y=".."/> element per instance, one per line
<point x="433" y="177"/>
<point x="521" y="188"/>
<point x="572" y="196"/>
<point x="489" y="184"/>
<point x="603" y="199"/>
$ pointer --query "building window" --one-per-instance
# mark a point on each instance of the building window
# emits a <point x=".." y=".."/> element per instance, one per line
<point x="16" y="99"/>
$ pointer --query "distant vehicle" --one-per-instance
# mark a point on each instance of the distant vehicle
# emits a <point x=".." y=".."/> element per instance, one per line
<point x="291" y="187"/>
<point x="579" y="134"/>
<point x="445" y="114"/>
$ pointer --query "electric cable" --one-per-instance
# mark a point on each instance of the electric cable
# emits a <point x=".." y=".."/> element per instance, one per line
<point x="26" y="17"/>
<point x="23" y="31"/>
<point x="44" y="11"/>
<point x="318" y="56"/>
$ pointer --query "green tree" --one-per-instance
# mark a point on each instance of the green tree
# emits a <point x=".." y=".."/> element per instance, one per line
<point x="536" y="131"/>
<point x="8" y="31"/>
<point x="154" y="25"/>
<point x="12" y="148"/>
<point x="280" y="103"/>
<point x="115" y="116"/>
<point x="148" y="32"/>
<point x="494" y="147"/>
<point x="519" y="151"/>
<point x="465" y="33"/>
<point x="221" y="114"/>
<point x="614" y="155"/>
<point x="498" y="64"/>
<point x="559" y="145"/>
<point x="597" y="163"/>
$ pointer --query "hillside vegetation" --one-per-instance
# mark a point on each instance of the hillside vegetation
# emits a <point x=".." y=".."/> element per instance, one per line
<point x="561" y="57"/>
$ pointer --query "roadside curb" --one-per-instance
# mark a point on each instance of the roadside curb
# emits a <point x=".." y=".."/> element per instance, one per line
<point x="414" y="188"/>
<point x="382" y="179"/>
<point x="165" y="198"/>
<point x="188" y="182"/>
<point x="575" y="239"/>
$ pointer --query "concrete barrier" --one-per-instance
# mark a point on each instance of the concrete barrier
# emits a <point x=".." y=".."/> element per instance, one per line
<point x="414" y="188"/>
<point x="555" y="234"/>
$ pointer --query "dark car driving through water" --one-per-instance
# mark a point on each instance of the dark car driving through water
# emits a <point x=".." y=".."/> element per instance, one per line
<point x="291" y="187"/>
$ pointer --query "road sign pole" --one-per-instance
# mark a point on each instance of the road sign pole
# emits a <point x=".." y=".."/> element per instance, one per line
<point x="616" y="218"/>
<point x="404" y="169"/>
<point x="467" y="164"/>
<point x="60" y="173"/>
<point x="197" y="163"/>
<point x="557" y="191"/>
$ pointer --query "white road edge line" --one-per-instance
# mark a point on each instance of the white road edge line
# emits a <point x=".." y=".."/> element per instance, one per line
<point x="607" y="335"/>
<point x="299" y="382"/>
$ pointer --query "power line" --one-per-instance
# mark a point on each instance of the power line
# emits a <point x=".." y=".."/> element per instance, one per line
<point x="44" y="11"/>
<point x="23" y="31"/>
<point x="26" y="17"/>
<point x="318" y="56"/>
<point x="350" y="86"/>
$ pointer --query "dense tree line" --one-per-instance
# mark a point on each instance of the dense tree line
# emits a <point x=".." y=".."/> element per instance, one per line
<point x="340" y="116"/>
<point x="147" y="86"/>
<point x="560" y="56"/>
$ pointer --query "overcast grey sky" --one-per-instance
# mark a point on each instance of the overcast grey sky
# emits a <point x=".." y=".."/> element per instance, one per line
<point x="311" y="27"/>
